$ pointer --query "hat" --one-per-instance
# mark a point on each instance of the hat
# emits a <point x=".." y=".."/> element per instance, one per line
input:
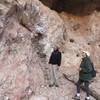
<point x="86" y="52"/>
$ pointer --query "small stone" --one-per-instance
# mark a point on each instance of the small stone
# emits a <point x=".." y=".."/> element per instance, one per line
<point x="7" y="98"/>
<point x="29" y="92"/>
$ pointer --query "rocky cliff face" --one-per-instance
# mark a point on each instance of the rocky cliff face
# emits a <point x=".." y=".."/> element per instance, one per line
<point x="28" y="32"/>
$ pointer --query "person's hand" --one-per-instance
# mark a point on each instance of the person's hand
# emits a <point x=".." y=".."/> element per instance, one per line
<point x="61" y="67"/>
<point x="78" y="68"/>
<point x="58" y="68"/>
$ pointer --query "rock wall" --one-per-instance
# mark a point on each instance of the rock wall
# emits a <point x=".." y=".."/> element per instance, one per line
<point x="20" y="69"/>
<point x="83" y="34"/>
<point x="28" y="32"/>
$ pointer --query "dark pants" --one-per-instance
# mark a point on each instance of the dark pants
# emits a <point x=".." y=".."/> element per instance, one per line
<point x="86" y="83"/>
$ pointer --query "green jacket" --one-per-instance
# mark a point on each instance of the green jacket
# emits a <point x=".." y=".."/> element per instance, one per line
<point x="86" y="68"/>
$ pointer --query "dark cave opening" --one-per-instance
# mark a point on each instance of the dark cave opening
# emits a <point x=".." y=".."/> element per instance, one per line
<point x="78" y="7"/>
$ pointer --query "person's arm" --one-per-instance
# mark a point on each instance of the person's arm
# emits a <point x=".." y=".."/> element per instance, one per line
<point x="59" y="59"/>
<point x="89" y="65"/>
<point x="86" y="65"/>
<point x="81" y="67"/>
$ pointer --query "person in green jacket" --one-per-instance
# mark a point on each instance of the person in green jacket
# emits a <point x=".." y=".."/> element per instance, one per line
<point x="84" y="75"/>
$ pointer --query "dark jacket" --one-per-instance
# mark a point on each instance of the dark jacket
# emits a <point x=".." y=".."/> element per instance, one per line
<point x="86" y="68"/>
<point x="55" y="58"/>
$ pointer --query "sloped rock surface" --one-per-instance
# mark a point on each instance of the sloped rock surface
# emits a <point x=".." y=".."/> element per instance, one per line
<point x="66" y="91"/>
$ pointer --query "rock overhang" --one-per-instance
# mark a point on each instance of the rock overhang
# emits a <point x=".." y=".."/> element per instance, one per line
<point x="77" y="7"/>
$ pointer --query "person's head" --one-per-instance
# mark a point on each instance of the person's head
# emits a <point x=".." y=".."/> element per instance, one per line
<point x="85" y="53"/>
<point x="56" y="48"/>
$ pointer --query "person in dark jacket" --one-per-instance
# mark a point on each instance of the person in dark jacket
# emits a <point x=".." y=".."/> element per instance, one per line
<point x="55" y="62"/>
<point x="84" y="75"/>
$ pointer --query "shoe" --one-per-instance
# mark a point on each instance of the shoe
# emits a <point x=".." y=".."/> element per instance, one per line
<point x="87" y="99"/>
<point x="51" y="85"/>
<point x="56" y="85"/>
<point x="76" y="97"/>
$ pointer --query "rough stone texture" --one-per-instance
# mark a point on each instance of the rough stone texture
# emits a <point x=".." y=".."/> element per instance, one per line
<point x="21" y="26"/>
<point x="19" y="61"/>
<point x="83" y="33"/>
<point x="20" y="65"/>
<point x="28" y="32"/>
<point x="46" y="23"/>
<point x="66" y="91"/>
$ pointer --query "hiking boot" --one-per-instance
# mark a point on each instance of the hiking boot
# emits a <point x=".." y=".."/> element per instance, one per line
<point x="51" y="85"/>
<point x="76" y="97"/>
<point x="56" y="85"/>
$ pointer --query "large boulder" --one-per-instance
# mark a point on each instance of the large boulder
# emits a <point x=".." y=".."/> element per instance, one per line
<point x="20" y="73"/>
